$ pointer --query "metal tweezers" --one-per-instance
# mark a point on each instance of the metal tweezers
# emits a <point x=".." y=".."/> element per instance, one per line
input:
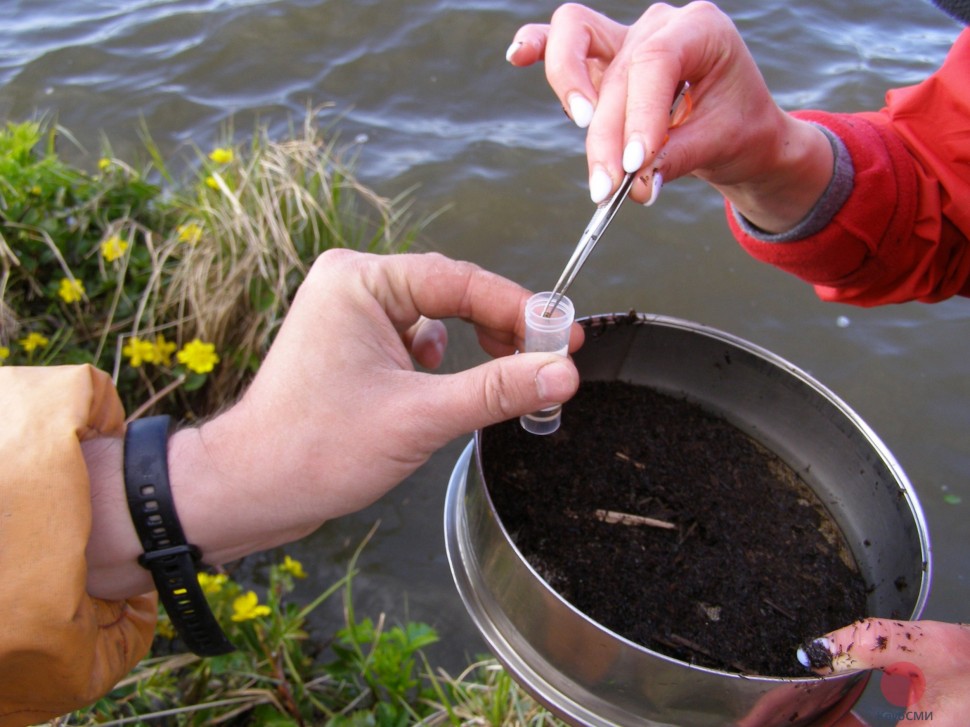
<point x="601" y="219"/>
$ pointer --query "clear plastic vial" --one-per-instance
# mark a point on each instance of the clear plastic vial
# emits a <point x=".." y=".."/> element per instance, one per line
<point x="546" y="334"/>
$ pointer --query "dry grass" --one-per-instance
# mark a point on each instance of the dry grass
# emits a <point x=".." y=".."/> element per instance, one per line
<point x="485" y="694"/>
<point x="263" y="219"/>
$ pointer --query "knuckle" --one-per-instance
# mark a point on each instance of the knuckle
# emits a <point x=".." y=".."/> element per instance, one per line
<point x="703" y="6"/>
<point x="568" y="13"/>
<point x="497" y="395"/>
<point x="334" y="257"/>
<point x="658" y="10"/>
<point x="439" y="263"/>
<point x="335" y="254"/>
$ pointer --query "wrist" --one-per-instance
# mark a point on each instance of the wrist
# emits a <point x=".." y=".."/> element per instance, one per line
<point x="230" y="491"/>
<point x="226" y="505"/>
<point x="801" y="168"/>
<point x="113" y="546"/>
<point x="168" y="555"/>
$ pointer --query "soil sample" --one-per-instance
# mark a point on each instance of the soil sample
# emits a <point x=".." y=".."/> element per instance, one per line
<point x="673" y="528"/>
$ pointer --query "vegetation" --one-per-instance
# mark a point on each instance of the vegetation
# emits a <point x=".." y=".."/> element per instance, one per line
<point x="177" y="289"/>
<point x="371" y="674"/>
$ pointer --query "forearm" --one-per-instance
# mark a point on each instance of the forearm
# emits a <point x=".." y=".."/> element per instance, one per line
<point x="296" y="451"/>
<point x="799" y="171"/>
<point x="213" y="496"/>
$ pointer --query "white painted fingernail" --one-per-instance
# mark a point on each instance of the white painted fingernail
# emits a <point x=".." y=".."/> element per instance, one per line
<point x="633" y="157"/>
<point x="655" y="185"/>
<point x="580" y="110"/>
<point x="600" y="186"/>
<point x="512" y="49"/>
<point x="816" y="654"/>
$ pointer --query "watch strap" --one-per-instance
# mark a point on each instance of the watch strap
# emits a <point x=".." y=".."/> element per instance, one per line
<point x="171" y="559"/>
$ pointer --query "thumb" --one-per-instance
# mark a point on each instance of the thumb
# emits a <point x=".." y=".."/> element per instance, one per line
<point x="501" y="389"/>
<point x="528" y="46"/>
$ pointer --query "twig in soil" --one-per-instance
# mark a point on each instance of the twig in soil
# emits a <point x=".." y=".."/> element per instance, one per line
<point x="628" y="458"/>
<point x="624" y="518"/>
<point x="783" y="611"/>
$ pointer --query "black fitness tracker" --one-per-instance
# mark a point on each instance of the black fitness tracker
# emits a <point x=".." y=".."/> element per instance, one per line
<point x="172" y="561"/>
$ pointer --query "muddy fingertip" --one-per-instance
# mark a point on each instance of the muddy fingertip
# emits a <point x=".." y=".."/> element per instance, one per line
<point x="815" y="653"/>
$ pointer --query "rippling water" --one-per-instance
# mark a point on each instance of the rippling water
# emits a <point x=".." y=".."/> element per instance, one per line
<point x="424" y="89"/>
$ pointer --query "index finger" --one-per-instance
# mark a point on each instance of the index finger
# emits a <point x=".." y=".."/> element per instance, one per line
<point x="528" y="45"/>
<point x="655" y="68"/>
<point x="432" y="285"/>
<point x="577" y="46"/>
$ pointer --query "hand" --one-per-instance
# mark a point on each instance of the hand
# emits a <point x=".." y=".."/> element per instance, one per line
<point x="337" y="414"/>
<point x="338" y="406"/>
<point x="925" y="664"/>
<point x="620" y="80"/>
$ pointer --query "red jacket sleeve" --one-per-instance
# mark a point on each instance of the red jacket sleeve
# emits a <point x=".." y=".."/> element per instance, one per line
<point x="903" y="232"/>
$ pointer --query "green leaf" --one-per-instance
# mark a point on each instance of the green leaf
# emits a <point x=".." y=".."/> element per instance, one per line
<point x="194" y="381"/>
<point x="268" y="716"/>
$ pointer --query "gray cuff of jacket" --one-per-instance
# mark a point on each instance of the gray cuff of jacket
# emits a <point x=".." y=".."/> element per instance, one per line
<point x="831" y="201"/>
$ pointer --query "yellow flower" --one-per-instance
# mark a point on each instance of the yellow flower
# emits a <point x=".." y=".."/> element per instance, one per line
<point x="164" y="628"/>
<point x="189" y="233"/>
<point x="139" y="351"/>
<point x="198" y="356"/>
<point x="4" y="354"/>
<point x="163" y="351"/>
<point x="211" y="182"/>
<point x="221" y="155"/>
<point x="293" y="567"/>
<point x="33" y="341"/>
<point x="113" y="248"/>
<point x="212" y="583"/>
<point x="246" y="607"/>
<point x="104" y="163"/>
<point x="71" y="291"/>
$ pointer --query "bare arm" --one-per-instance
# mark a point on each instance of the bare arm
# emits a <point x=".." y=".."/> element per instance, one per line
<point x="337" y="414"/>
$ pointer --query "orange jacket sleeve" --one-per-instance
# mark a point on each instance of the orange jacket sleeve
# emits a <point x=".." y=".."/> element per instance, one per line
<point x="903" y="232"/>
<point x="60" y="648"/>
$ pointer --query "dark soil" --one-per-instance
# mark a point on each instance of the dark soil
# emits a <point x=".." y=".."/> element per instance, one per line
<point x="752" y="566"/>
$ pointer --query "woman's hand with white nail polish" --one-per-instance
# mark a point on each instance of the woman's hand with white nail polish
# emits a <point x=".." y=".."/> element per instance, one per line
<point x="770" y="165"/>
<point x="580" y="110"/>
<point x="656" y="184"/>
<point x="633" y="156"/>
<point x="600" y="186"/>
